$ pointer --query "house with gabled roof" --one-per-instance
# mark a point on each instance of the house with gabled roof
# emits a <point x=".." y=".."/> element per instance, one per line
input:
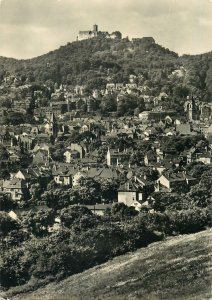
<point x="63" y="175"/>
<point x="41" y="157"/>
<point x="131" y="194"/>
<point x="16" y="188"/>
<point x="175" y="181"/>
<point x="189" y="155"/>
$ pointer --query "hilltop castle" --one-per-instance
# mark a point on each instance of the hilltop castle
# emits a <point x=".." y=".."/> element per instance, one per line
<point x="84" y="35"/>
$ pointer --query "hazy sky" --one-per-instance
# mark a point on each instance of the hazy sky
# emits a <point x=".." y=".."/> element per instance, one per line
<point x="30" y="28"/>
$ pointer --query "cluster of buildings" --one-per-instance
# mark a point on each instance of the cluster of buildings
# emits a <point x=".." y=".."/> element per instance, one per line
<point x="79" y="159"/>
<point x="54" y="155"/>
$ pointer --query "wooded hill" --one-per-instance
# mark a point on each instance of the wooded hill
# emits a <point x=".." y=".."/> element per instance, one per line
<point x="96" y="61"/>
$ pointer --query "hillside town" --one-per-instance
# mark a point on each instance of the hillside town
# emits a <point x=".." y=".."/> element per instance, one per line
<point x="67" y="139"/>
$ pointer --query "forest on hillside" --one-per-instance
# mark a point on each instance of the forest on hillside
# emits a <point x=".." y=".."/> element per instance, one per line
<point x="97" y="61"/>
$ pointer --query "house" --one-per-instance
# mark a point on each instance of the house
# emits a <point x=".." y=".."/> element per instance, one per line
<point x="41" y="157"/>
<point x="43" y="138"/>
<point x="208" y="132"/>
<point x="174" y="181"/>
<point x="189" y="156"/>
<point x="108" y="174"/>
<point x="115" y="157"/>
<point x="63" y="175"/>
<point x="6" y="139"/>
<point x="16" y="188"/>
<point x="131" y="195"/>
<point x="24" y="175"/>
<point x="26" y="141"/>
<point x="206" y="158"/>
<point x="73" y="152"/>
<point x="169" y="131"/>
<point x="144" y="115"/>
<point x="41" y="146"/>
<point x="71" y="155"/>
<point x="34" y="175"/>
<point x="144" y="184"/>
<point x="110" y="86"/>
<point x="14" y="156"/>
<point x="77" y="177"/>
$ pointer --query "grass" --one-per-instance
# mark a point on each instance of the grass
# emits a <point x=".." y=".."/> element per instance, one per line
<point x="178" y="268"/>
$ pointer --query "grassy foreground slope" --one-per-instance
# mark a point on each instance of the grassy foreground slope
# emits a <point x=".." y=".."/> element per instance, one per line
<point x="179" y="268"/>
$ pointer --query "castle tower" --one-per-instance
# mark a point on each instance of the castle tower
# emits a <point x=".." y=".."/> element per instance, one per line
<point x="95" y="29"/>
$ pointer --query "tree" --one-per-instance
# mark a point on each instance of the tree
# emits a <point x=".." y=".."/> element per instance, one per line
<point x="108" y="104"/>
<point x="137" y="158"/>
<point x="15" y="118"/>
<point x="189" y="221"/>
<point x="36" y="191"/>
<point x="60" y="197"/>
<point x="121" y="211"/>
<point x="3" y="153"/>
<point x="88" y="191"/>
<point x="200" y="194"/>
<point x="109" y="190"/>
<point x="7" y="224"/>
<point x="208" y="79"/>
<point x="38" y="222"/>
<point x="77" y="215"/>
<point x="6" y="203"/>
<point x="196" y="169"/>
<point x="161" y="201"/>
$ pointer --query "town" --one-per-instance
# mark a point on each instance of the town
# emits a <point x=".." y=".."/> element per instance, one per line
<point x="124" y="151"/>
<point x="66" y="141"/>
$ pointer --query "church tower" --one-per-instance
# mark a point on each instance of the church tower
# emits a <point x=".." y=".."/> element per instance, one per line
<point x="190" y="108"/>
<point x="190" y="111"/>
<point x="53" y="128"/>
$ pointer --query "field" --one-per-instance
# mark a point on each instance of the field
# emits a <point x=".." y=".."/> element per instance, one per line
<point x="178" y="268"/>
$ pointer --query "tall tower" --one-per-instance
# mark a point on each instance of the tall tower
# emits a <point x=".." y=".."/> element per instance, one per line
<point x="190" y="111"/>
<point x="53" y="126"/>
<point x="189" y="108"/>
<point x="95" y="29"/>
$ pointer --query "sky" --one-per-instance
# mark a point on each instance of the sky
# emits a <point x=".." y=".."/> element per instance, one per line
<point x="30" y="28"/>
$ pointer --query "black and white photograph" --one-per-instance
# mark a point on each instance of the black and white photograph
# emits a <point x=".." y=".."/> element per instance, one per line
<point x="105" y="150"/>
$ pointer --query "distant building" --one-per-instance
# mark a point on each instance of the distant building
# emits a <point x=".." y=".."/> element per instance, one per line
<point x="83" y="35"/>
<point x="116" y="158"/>
<point x="88" y="34"/>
